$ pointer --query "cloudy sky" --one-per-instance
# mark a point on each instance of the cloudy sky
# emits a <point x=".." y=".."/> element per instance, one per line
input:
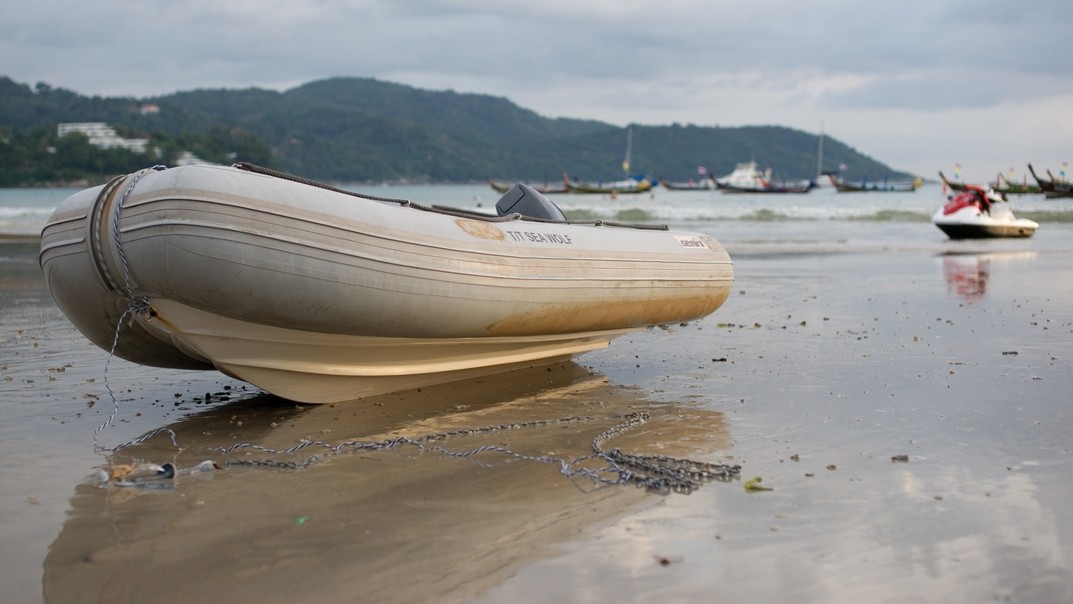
<point x="922" y="85"/>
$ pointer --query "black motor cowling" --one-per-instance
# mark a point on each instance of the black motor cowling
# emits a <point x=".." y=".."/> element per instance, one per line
<point x="525" y="200"/>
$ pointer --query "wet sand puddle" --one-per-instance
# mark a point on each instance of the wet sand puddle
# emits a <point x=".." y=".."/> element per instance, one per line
<point x="391" y="525"/>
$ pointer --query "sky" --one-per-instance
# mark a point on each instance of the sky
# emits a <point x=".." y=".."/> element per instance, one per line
<point x="969" y="87"/>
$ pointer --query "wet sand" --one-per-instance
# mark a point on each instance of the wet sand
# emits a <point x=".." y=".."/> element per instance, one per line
<point x="821" y="368"/>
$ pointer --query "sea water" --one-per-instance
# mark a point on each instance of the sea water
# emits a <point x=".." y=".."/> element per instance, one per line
<point x="814" y="221"/>
<point x="23" y="211"/>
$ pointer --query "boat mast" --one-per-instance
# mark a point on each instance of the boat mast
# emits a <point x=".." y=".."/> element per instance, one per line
<point x="629" y="146"/>
<point x="819" y="160"/>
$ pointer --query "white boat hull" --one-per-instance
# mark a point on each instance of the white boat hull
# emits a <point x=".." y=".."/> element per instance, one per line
<point x="320" y="296"/>
<point x="745" y="177"/>
<point x="972" y="223"/>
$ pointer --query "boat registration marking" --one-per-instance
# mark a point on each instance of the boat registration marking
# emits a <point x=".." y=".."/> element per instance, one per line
<point x="691" y="242"/>
<point x="537" y="237"/>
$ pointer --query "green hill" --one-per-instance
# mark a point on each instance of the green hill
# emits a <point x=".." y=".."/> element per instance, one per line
<point x="361" y="129"/>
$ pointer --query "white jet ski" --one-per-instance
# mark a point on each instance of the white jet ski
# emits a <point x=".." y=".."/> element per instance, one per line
<point x="975" y="213"/>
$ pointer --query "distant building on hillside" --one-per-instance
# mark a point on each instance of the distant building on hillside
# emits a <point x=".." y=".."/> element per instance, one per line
<point x="102" y="136"/>
<point x="186" y="158"/>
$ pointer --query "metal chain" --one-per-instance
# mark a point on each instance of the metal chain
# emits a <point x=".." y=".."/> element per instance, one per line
<point x="659" y="473"/>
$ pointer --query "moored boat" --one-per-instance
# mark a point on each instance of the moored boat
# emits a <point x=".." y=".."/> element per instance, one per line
<point x="747" y="178"/>
<point x="1051" y="186"/>
<point x="843" y="186"/>
<point x="1008" y="187"/>
<point x="546" y="188"/>
<point x="625" y="186"/>
<point x="320" y="295"/>
<point x="771" y="187"/>
<point x="701" y="184"/>
<point x="1001" y="185"/>
<point x="953" y="185"/>
<point x="975" y="213"/>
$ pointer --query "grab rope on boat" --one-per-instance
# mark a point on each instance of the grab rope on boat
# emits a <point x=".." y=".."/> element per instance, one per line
<point x="135" y="306"/>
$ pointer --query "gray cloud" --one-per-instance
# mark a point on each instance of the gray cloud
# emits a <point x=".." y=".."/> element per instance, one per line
<point x="943" y="65"/>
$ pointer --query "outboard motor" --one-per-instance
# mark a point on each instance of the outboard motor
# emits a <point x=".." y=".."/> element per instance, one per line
<point x="525" y="200"/>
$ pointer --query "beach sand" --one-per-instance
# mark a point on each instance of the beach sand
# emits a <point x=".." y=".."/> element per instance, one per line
<point x="820" y="371"/>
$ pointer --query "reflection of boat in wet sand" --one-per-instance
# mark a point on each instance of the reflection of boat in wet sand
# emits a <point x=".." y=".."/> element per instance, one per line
<point x="320" y="295"/>
<point x="978" y="214"/>
<point x="393" y="526"/>
<point x="968" y="274"/>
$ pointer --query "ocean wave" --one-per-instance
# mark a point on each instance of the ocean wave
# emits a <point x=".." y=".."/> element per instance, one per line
<point x="24" y="212"/>
<point x="766" y="215"/>
<point x="623" y="215"/>
<point x="893" y="216"/>
<point x="692" y="215"/>
<point x="1045" y="216"/>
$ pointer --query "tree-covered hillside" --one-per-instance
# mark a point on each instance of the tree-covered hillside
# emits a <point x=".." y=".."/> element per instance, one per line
<point x="360" y="129"/>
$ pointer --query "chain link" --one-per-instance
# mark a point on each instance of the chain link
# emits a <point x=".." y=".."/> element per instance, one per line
<point x="658" y="473"/>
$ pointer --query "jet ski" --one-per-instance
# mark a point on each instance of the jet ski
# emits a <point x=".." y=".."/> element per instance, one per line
<point x="976" y="213"/>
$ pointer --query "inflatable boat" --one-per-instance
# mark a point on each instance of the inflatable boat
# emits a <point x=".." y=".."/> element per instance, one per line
<point x="320" y="295"/>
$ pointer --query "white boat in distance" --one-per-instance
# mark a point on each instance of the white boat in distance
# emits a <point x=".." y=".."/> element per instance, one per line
<point x="746" y="176"/>
<point x="320" y="295"/>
